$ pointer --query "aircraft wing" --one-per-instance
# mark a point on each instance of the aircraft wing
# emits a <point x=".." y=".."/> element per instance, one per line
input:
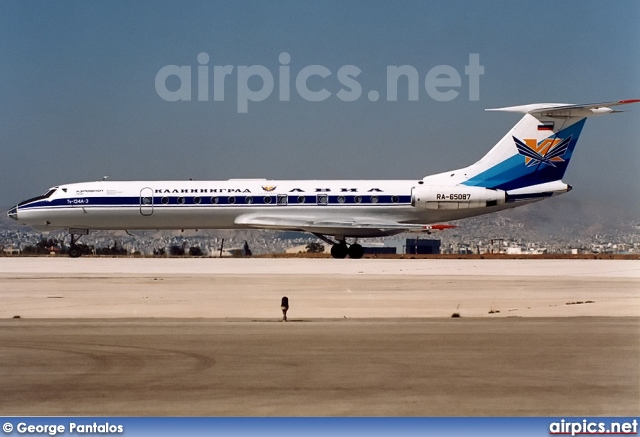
<point x="357" y="227"/>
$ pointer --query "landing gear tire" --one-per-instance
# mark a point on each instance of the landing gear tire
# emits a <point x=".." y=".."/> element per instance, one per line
<point x="74" y="252"/>
<point x="339" y="251"/>
<point x="356" y="251"/>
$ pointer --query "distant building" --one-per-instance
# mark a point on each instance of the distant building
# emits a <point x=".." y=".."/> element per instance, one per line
<point x="11" y="251"/>
<point x="530" y="251"/>
<point x="302" y="248"/>
<point x="416" y="246"/>
<point x="379" y="250"/>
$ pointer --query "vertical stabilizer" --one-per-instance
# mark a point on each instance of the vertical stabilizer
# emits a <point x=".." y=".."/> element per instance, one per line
<point x="533" y="152"/>
<point x="537" y="150"/>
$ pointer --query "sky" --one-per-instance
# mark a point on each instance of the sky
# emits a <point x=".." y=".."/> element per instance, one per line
<point x="79" y="97"/>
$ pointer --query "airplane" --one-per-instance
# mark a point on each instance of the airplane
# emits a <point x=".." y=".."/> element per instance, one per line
<point x="526" y="165"/>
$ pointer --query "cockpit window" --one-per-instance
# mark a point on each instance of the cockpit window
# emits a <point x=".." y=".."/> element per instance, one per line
<point x="49" y="193"/>
<point x="42" y="197"/>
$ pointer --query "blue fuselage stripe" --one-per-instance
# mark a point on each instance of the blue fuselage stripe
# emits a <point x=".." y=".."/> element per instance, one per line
<point x="242" y="200"/>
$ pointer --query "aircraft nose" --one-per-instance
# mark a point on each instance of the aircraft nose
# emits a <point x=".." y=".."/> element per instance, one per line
<point x="13" y="213"/>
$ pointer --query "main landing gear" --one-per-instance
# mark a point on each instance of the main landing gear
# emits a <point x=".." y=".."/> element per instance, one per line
<point x="340" y="249"/>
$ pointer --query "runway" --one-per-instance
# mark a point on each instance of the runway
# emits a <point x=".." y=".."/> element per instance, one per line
<point x="381" y="367"/>
<point x="317" y="288"/>
<point x="366" y="337"/>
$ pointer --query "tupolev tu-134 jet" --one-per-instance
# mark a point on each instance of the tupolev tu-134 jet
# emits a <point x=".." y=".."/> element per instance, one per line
<point x="526" y="165"/>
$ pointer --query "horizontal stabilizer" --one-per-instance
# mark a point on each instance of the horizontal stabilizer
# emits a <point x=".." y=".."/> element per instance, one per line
<point x="561" y="110"/>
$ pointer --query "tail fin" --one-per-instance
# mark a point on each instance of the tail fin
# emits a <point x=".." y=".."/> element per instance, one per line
<point x="538" y="149"/>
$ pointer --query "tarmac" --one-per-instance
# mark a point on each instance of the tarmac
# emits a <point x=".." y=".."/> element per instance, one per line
<point x="203" y="337"/>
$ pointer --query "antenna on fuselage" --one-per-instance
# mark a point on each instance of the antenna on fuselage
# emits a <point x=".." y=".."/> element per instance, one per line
<point x="104" y="178"/>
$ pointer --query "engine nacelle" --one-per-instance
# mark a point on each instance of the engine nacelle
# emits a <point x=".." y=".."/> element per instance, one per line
<point x="455" y="197"/>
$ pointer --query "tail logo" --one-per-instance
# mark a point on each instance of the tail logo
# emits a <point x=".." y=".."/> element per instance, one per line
<point x="547" y="151"/>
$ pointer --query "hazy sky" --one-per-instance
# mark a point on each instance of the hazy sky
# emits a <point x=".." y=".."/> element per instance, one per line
<point x="78" y="98"/>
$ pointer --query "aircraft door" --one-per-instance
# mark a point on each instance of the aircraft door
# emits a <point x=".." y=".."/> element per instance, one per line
<point x="146" y="201"/>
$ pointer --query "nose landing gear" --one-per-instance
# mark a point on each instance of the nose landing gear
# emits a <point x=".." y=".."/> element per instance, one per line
<point x="74" y="249"/>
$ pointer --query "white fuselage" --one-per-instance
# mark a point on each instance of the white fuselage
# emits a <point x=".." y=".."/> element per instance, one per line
<point x="139" y="205"/>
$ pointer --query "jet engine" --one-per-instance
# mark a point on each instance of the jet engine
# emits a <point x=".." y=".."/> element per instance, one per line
<point x="455" y="197"/>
